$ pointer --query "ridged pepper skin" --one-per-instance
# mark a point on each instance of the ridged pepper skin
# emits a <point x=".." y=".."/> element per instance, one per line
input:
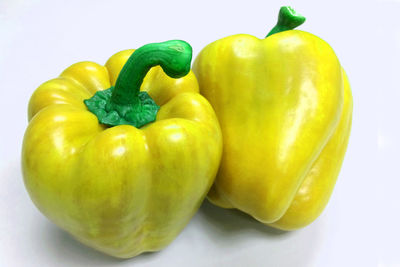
<point x="121" y="190"/>
<point x="285" y="107"/>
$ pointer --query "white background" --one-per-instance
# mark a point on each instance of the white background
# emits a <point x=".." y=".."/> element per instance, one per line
<point x="359" y="227"/>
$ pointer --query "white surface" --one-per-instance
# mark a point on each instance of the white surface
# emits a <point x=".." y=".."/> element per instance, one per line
<point x="359" y="227"/>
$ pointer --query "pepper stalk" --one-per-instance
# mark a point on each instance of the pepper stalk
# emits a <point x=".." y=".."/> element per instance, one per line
<point x="124" y="103"/>
<point x="288" y="19"/>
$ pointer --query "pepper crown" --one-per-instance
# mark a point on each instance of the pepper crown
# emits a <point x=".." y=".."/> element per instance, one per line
<point x="124" y="103"/>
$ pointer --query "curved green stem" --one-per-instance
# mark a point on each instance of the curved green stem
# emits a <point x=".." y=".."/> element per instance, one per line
<point x="124" y="103"/>
<point x="173" y="56"/>
<point x="288" y="19"/>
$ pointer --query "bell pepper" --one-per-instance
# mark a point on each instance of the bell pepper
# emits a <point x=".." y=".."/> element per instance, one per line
<point x="285" y="107"/>
<point x="122" y="159"/>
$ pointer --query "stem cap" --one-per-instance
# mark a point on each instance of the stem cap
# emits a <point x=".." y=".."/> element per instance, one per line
<point x="124" y="103"/>
<point x="109" y="113"/>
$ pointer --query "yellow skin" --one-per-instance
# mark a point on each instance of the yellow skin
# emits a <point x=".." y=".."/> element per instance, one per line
<point x="285" y="106"/>
<point x="120" y="190"/>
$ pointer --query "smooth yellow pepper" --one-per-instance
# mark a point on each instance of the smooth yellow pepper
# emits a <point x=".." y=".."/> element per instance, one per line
<point x="122" y="190"/>
<point x="285" y="106"/>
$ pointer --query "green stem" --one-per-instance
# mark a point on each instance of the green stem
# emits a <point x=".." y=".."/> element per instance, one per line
<point x="173" y="56"/>
<point x="124" y="103"/>
<point x="288" y="19"/>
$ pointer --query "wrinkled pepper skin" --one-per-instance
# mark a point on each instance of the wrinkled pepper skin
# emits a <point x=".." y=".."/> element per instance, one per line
<point x="285" y="108"/>
<point x="120" y="190"/>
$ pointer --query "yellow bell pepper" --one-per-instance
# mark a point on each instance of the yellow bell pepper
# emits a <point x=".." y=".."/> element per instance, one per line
<point x="285" y="106"/>
<point x="126" y="185"/>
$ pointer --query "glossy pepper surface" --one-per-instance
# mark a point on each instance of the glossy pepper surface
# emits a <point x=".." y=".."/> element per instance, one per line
<point x="131" y="183"/>
<point x="285" y="108"/>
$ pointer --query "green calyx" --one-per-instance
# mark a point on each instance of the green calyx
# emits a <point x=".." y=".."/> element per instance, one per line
<point x="124" y="103"/>
<point x="288" y="19"/>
